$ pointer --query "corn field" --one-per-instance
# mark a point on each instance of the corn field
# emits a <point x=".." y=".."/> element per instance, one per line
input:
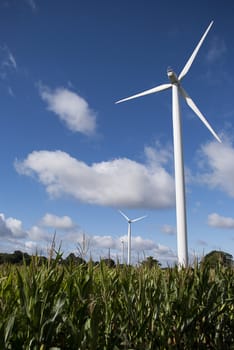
<point x="53" y="306"/>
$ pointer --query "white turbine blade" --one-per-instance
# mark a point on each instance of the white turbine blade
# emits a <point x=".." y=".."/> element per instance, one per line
<point x="147" y="92"/>
<point x="198" y="113"/>
<point x="125" y="216"/>
<point x="192" y="57"/>
<point x="140" y="218"/>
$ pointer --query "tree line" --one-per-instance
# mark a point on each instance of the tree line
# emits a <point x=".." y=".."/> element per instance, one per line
<point x="17" y="257"/>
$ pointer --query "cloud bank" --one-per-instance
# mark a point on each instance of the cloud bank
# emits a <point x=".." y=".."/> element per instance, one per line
<point x="217" y="170"/>
<point x="168" y="229"/>
<point x="57" y="222"/>
<point x="11" y="227"/>
<point x="38" y="239"/>
<point x="216" y="220"/>
<point x="118" y="183"/>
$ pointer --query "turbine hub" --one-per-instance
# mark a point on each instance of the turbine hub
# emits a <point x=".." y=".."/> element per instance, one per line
<point x="172" y="76"/>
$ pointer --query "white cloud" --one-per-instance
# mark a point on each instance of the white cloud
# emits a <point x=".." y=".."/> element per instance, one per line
<point x="168" y="229"/>
<point x="138" y="244"/>
<point x="10" y="91"/>
<point x="104" y="242"/>
<point x="216" y="220"/>
<point x="4" y="230"/>
<point x="165" y="255"/>
<point x="11" y="227"/>
<point x="15" y="226"/>
<point x="217" y="162"/>
<point x="11" y="60"/>
<point x="164" y="252"/>
<point x="159" y="155"/>
<point x="38" y="240"/>
<point x="31" y="246"/>
<point x="72" y="109"/>
<point x="36" y="233"/>
<point x="102" y="246"/>
<point x="57" y="222"/>
<point x="119" y="183"/>
<point x="7" y="61"/>
<point x="141" y="244"/>
<point x="35" y="247"/>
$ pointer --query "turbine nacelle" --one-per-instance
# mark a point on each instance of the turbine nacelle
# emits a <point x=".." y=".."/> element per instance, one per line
<point x="172" y="76"/>
<point x="131" y="220"/>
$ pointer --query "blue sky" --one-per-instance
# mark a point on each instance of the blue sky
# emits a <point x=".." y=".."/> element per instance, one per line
<point x="70" y="157"/>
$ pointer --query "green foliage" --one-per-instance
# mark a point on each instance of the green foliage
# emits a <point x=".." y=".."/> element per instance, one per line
<point x="47" y="305"/>
<point x="150" y="262"/>
<point x="217" y="257"/>
<point x="16" y="258"/>
<point x="108" y="262"/>
<point x="72" y="259"/>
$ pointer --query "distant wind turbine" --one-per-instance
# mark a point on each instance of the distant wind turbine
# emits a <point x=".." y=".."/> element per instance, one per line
<point x="175" y="84"/>
<point x="129" y="232"/>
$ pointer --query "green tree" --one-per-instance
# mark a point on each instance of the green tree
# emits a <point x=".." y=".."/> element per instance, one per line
<point x="217" y="257"/>
<point x="71" y="258"/>
<point x="108" y="262"/>
<point x="150" y="262"/>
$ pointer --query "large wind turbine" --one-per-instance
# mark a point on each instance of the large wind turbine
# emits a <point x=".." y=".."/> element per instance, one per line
<point x="175" y="84"/>
<point x="129" y="232"/>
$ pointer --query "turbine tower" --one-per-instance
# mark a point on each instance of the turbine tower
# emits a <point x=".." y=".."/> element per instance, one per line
<point x="175" y="84"/>
<point x="129" y="232"/>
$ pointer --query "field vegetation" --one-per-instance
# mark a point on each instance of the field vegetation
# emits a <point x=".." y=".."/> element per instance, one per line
<point x="49" y="305"/>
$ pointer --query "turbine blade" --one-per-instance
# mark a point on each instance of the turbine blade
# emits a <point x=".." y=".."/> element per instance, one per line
<point x="198" y="113"/>
<point x="140" y="218"/>
<point x="147" y="92"/>
<point x="192" y="57"/>
<point x="125" y="216"/>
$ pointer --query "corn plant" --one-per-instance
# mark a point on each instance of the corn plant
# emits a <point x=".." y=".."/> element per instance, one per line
<point x="53" y="306"/>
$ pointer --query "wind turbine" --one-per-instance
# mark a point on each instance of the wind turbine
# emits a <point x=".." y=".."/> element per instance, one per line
<point x="175" y="84"/>
<point x="129" y="232"/>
